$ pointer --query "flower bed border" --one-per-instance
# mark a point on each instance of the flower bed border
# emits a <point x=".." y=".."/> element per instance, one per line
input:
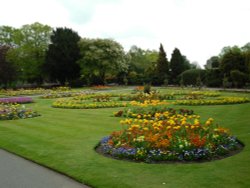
<point x="240" y="147"/>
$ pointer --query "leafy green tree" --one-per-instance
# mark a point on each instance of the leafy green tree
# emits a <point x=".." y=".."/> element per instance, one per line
<point x="213" y="62"/>
<point x="246" y="52"/>
<point x="142" y="63"/>
<point x="62" y="56"/>
<point x="99" y="58"/>
<point x="10" y="36"/>
<point x="162" y="66"/>
<point x="7" y="69"/>
<point x="239" y="78"/>
<point x="232" y="58"/>
<point x="178" y="64"/>
<point x="29" y="45"/>
<point x="213" y="77"/>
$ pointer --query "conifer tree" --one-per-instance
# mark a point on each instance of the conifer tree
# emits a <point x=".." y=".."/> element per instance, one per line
<point x="177" y="65"/>
<point x="162" y="68"/>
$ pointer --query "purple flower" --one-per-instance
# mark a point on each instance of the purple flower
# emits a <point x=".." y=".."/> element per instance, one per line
<point x="19" y="100"/>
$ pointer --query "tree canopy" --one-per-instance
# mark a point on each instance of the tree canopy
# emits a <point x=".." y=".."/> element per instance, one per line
<point x="62" y="55"/>
<point x="101" y="58"/>
<point x="162" y="66"/>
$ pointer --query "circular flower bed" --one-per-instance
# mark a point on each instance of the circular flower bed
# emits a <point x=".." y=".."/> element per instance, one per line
<point x="218" y="101"/>
<point x="16" y="111"/>
<point x="169" y="137"/>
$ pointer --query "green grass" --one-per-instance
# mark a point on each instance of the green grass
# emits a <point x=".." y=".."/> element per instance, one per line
<point x="64" y="140"/>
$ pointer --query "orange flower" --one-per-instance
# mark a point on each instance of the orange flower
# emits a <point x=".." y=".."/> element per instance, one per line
<point x="197" y="141"/>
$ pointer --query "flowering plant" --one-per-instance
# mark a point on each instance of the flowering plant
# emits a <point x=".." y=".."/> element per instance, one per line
<point x="16" y="111"/>
<point x="169" y="136"/>
<point x="19" y="100"/>
<point x="218" y="101"/>
<point x="79" y="104"/>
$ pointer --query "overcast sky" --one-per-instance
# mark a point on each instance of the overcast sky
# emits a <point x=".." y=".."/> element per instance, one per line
<point x="199" y="28"/>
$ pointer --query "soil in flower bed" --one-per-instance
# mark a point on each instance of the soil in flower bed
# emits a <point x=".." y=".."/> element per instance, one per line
<point x="240" y="146"/>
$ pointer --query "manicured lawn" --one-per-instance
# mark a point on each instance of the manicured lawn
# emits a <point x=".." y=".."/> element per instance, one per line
<point x="64" y="139"/>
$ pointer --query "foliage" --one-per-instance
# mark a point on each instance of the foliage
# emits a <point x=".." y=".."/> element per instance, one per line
<point x="213" y="62"/>
<point x="213" y="77"/>
<point x="232" y="58"/>
<point x="141" y="64"/>
<point x="62" y="55"/>
<point x="7" y="69"/>
<point x="217" y="101"/>
<point x="178" y="64"/>
<point x="239" y="78"/>
<point x="147" y="88"/>
<point x="141" y="96"/>
<point x="162" y="67"/>
<point x="29" y="45"/>
<point x="78" y="104"/>
<point x="35" y="91"/>
<point x="10" y="92"/>
<point x="100" y="57"/>
<point x="15" y="111"/>
<point x="190" y="76"/>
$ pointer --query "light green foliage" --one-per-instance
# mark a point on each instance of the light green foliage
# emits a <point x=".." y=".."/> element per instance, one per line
<point x="29" y="45"/>
<point x="141" y="63"/>
<point x="100" y="57"/>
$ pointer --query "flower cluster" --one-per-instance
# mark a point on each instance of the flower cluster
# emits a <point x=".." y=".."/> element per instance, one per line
<point x="35" y="91"/>
<point x="168" y="136"/>
<point x="24" y="92"/>
<point x="157" y="113"/>
<point x="207" y="93"/>
<point x="19" y="100"/>
<point x="147" y="103"/>
<point x="218" y="101"/>
<point x="78" y="104"/>
<point x="145" y="96"/>
<point x="16" y="111"/>
<point x="59" y="94"/>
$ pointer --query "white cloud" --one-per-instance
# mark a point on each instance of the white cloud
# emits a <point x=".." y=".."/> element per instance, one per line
<point x="199" y="28"/>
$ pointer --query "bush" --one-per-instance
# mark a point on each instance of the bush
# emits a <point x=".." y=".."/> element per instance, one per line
<point x="147" y="88"/>
<point x="190" y="76"/>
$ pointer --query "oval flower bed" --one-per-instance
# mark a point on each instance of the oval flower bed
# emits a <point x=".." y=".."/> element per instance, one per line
<point x="177" y="137"/>
<point x="16" y="111"/>
<point x="218" y="101"/>
<point x="19" y="100"/>
<point x="78" y="104"/>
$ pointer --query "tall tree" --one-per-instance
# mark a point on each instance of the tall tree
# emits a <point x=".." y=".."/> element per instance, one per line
<point x="29" y="44"/>
<point x="7" y="69"/>
<point x="10" y="36"/>
<point x="232" y="58"/>
<point x="177" y="65"/>
<point x="162" y="67"/>
<point x="246" y="52"/>
<point x="141" y="63"/>
<point x="62" y="55"/>
<point x="100" y="57"/>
